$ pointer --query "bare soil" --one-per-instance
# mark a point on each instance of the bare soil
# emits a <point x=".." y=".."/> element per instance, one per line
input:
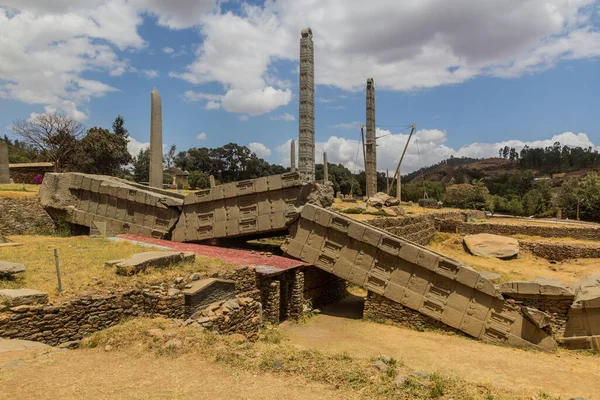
<point x="96" y="374"/>
<point x="563" y="373"/>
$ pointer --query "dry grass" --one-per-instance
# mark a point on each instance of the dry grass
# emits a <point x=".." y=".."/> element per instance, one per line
<point x="19" y="190"/>
<point x="526" y="266"/>
<point x="336" y="370"/>
<point x="82" y="265"/>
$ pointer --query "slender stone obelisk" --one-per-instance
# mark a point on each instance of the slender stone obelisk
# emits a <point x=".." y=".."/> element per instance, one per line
<point x="156" y="151"/>
<point x="293" y="156"/>
<point x="4" y="172"/>
<point x="325" y="168"/>
<point x="306" y="116"/>
<point x="370" y="146"/>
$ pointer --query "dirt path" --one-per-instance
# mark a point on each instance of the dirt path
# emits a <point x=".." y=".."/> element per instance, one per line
<point x="564" y="373"/>
<point x="95" y="374"/>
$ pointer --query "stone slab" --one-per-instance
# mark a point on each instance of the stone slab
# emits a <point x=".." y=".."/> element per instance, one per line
<point x="414" y="276"/>
<point x="539" y="318"/>
<point x="156" y="259"/>
<point x="19" y="297"/>
<point x="9" y="345"/>
<point x="488" y="245"/>
<point x="538" y="286"/>
<point x="9" y="269"/>
<point x="11" y="244"/>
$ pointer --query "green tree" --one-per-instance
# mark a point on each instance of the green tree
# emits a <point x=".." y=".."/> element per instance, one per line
<point x="586" y="192"/>
<point x="100" y="152"/>
<point x="538" y="201"/>
<point x="465" y="195"/>
<point x="141" y="166"/>
<point x="198" y="180"/>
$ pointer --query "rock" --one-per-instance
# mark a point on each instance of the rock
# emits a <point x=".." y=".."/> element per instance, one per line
<point x="488" y="245"/>
<point x="9" y="269"/>
<point x="195" y="276"/>
<point x="370" y="209"/>
<point x="108" y="347"/>
<point x="398" y="210"/>
<point x="400" y="380"/>
<point x="178" y="280"/>
<point x="72" y="345"/>
<point x="155" y="333"/>
<point x="539" y="318"/>
<point x="490" y="276"/>
<point x="389" y="212"/>
<point x="278" y="365"/>
<point x="141" y="261"/>
<point x="8" y="345"/>
<point x="419" y="374"/>
<point x="233" y="304"/>
<point x="380" y="365"/>
<point x="19" y="297"/>
<point x="173" y="292"/>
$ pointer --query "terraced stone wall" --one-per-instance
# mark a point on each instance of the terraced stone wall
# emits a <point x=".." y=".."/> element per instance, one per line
<point x="24" y="216"/>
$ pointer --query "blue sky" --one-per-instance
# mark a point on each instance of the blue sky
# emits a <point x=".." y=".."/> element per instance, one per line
<point x="473" y="76"/>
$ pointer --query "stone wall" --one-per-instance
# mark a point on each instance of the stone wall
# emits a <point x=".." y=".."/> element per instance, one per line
<point x="465" y="228"/>
<point x="379" y="308"/>
<point x="239" y="315"/>
<point x="559" y="251"/>
<point x="24" y="216"/>
<point x="285" y="295"/>
<point x="556" y="307"/>
<point x="247" y="282"/>
<point x="58" y="323"/>
<point x="27" y="174"/>
<point x="419" y="229"/>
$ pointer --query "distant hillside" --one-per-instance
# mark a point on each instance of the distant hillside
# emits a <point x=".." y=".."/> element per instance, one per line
<point x="465" y="170"/>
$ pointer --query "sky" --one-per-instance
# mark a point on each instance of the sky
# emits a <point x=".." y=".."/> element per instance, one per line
<point x="472" y="75"/>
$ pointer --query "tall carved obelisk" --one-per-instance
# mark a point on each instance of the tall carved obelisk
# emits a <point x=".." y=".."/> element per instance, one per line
<point x="4" y="171"/>
<point x="293" y="156"/>
<point x="370" y="146"/>
<point x="156" y="151"/>
<point x="306" y="116"/>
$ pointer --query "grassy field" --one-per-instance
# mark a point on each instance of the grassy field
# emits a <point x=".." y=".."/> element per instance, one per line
<point x="19" y="190"/>
<point x="526" y="266"/>
<point x="82" y="265"/>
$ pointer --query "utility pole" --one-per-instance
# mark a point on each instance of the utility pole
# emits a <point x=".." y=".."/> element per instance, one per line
<point x="362" y="135"/>
<point x="397" y="174"/>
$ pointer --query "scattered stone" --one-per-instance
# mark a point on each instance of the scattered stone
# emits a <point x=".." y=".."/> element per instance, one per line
<point x="19" y="297"/>
<point x="278" y="365"/>
<point x="400" y="380"/>
<point x="108" y="347"/>
<point x="539" y="318"/>
<point x="8" y="345"/>
<point x="380" y="365"/>
<point x="178" y="322"/>
<point x="195" y="276"/>
<point x="71" y="345"/>
<point x="389" y="212"/>
<point x="9" y="269"/>
<point x="488" y="245"/>
<point x="179" y="279"/>
<point x="419" y="374"/>
<point x="173" y="292"/>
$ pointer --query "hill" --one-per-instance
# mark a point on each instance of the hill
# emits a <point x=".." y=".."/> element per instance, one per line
<point x="465" y="170"/>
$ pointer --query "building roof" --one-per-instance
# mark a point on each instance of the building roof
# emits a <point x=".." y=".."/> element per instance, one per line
<point x="177" y="171"/>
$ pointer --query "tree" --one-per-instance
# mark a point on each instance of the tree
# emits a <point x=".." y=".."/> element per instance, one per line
<point x="586" y="192"/>
<point x="100" y="152"/>
<point x="141" y="166"/>
<point x="53" y="135"/>
<point x="170" y="157"/>
<point x="119" y="128"/>
<point x="465" y="195"/>
<point x="198" y="180"/>
<point x="538" y="201"/>
<point x="20" y="152"/>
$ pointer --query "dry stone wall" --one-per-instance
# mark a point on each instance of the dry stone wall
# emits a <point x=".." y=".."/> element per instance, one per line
<point x="240" y="315"/>
<point x="24" y="216"/>
<point x="465" y="228"/>
<point x="560" y="251"/>
<point x="418" y="229"/>
<point x="58" y="323"/>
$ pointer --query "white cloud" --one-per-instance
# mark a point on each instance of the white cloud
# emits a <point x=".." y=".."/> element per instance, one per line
<point x="427" y="147"/>
<point x="191" y="96"/>
<point x="283" y="117"/>
<point x="46" y="47"/>
<point x="150" y="73"/>
<point x="255" y="102"/>
<point x="168" y="50"/>
<point x="244" y="118"/>
<point x="347" y="125"/>
<point x="259" y="149"/>
<point x="412" y="46"/>
<point x="134" y="146"/>
<point x="178" y="14"/>
<point x="212" y="105"/>
<point x="202" y="136"/>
